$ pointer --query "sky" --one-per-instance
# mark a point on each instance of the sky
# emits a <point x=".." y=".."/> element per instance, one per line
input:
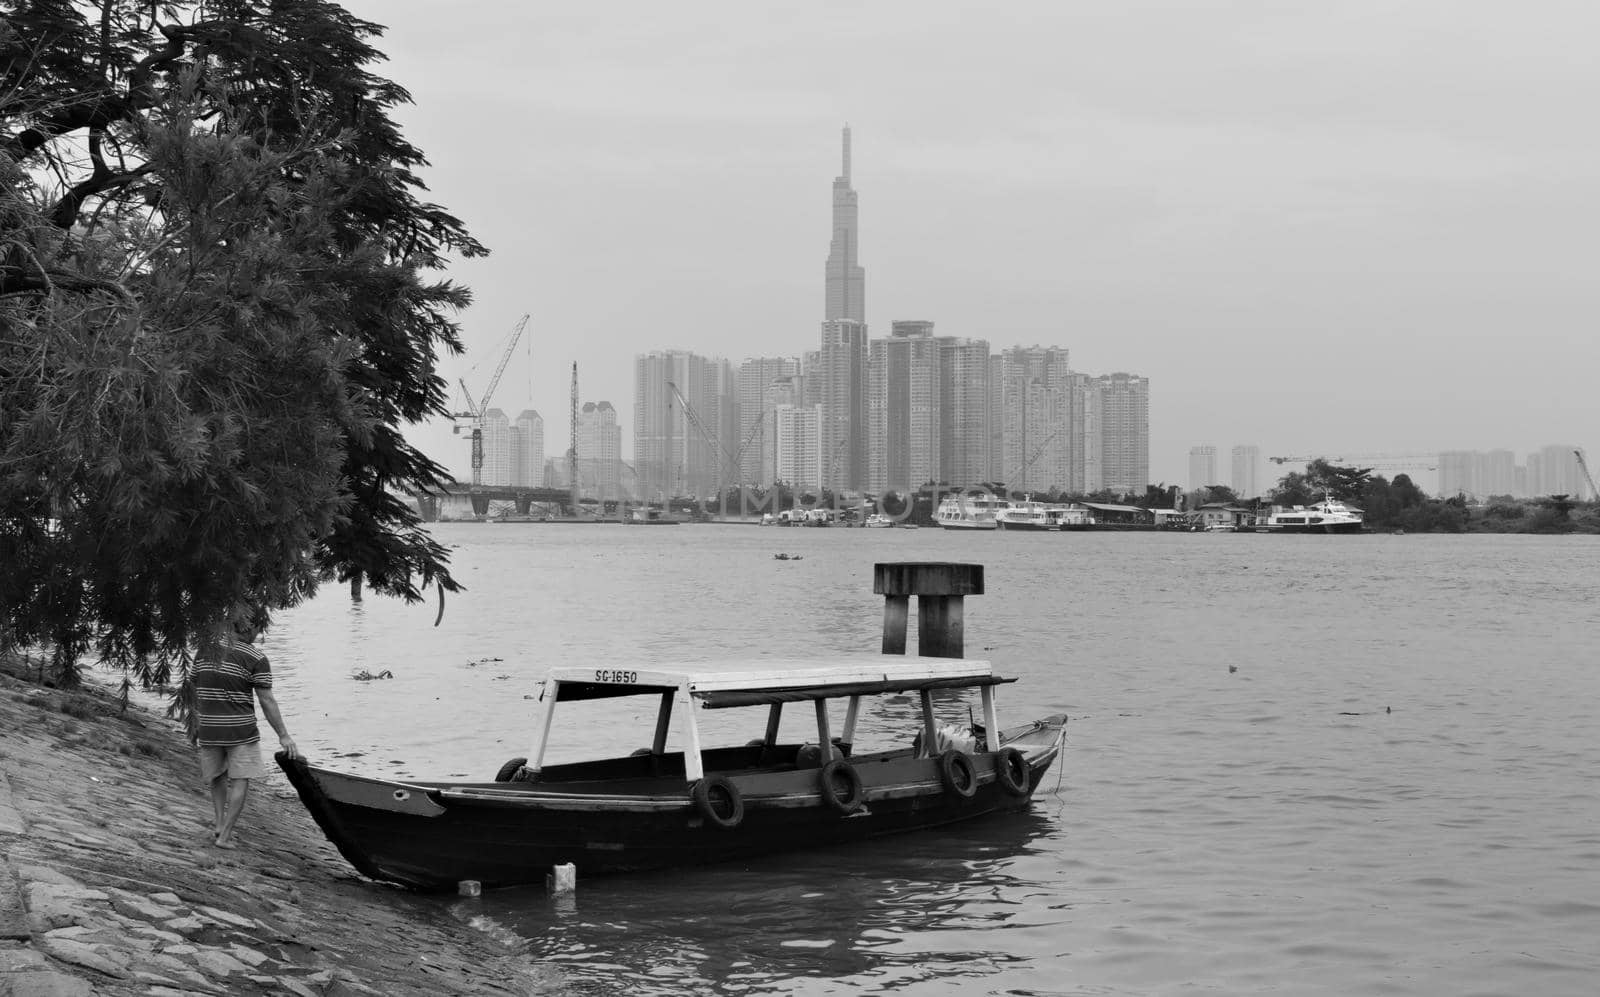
<point x="1324" y="229"/>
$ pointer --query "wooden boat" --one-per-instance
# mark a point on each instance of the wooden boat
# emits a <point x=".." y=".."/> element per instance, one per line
<point x="657" y="808"/>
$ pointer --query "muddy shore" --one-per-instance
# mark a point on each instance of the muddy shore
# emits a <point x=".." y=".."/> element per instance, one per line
<point x="109" y="884"/>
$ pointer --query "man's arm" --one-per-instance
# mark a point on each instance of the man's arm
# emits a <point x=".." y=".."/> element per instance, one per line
<point x="269" y="706"/>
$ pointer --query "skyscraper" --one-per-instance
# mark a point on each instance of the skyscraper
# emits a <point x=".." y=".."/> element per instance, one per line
<point x="1125" y="432"/>
<point x="497" y="447"/>
<point x="764" y="383"/>
<point x="903" y="408"/>
<point x="599" y="452"/>
<point x="1203" y="467"/>
<point x="1037" y="412"/>
<point x="673" y="456"/>
<point x="845" y="281"/>
<point x="527" y="450"/>
<point x="1247" y="471"/>
<point x="841" y="375"/>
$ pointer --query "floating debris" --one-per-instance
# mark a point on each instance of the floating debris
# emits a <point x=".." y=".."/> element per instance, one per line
<point x="365" y="676"/>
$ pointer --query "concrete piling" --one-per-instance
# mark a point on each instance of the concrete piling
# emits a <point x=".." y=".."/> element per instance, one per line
<point x="939" y="587"/>
<point x="562" y="879"/>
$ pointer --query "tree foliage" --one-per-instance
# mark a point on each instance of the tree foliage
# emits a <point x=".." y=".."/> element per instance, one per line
<point x="216" y="317"/>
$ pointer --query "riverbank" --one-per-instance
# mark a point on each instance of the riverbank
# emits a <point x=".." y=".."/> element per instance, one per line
<point x="109" y="884"/>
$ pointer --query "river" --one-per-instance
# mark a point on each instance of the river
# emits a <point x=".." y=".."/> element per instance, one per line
<point x="1332" y="765"/>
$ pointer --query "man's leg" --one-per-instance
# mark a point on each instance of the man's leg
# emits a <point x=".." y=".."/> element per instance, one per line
<point x="219" y="803"/>
<point x="237" y="792"/>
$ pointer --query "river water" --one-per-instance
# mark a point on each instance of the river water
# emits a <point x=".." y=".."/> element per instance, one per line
<point x="1294" y="764"/>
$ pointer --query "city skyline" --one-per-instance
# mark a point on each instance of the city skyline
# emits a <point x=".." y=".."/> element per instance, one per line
<point x="1201" y="195"/>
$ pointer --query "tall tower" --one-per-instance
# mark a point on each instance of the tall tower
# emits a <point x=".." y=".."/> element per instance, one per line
<point x="841" y="384"/>
<point x="845" y="280"/>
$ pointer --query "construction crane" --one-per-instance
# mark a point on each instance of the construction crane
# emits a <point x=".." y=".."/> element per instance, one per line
<point x="572" y="448"/>
<point x="759" y="426"/>
<point x="1583" y="465"/>
<point x="1029" y="462"/>
<point x="717" y="449"/>
<point x="476" y="410"/>
<point x="1370" y="461"/>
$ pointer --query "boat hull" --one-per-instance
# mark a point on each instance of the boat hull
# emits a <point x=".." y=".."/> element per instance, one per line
<point x="431" y="836"/>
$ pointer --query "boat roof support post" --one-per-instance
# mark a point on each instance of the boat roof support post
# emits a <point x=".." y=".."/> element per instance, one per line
<point x="824" y="738"/>
<point x="774" y="718"/>
<point x="552" y="692"/>
<point x="848" y="735"/>
<point x="991" y="719"/>
<point x="694" y="768"/>
<point x="930" y="729"/>
<point x="663" y="722"/>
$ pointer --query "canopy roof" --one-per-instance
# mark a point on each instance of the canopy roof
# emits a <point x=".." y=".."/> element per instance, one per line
<point x="749" y="682"/>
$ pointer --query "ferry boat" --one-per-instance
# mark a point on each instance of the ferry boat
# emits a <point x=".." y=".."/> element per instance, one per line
<point x="1327" y="516"/>
<point x="878" y="521"/>
<point x="972" y="511"/>
<point x="1026" y="515"/>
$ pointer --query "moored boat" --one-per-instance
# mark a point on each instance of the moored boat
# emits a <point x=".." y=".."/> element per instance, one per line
<point x="970" y="510"/>
<point x="1026" y="515"/>
<point x="1327" y="516"/>
<point x="701" y="804"/>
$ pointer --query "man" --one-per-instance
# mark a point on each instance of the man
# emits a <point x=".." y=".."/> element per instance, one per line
<point x="229" y="675"/>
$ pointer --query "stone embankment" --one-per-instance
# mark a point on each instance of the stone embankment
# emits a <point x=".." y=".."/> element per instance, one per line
<point x="109" y="883"/>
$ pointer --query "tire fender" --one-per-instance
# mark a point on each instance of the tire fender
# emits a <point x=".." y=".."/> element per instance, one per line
<point x="1012" y="773"/>
<point x="718" y="802"/>
<point x="508" y="771"/>
<point x="840" y="785"/>
<point x="957" y="773"/>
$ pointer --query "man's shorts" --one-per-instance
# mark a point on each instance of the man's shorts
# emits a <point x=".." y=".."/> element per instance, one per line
<point x="236" y="761"/>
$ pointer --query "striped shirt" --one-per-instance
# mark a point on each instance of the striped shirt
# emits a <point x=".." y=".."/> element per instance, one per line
<point x="225" y="681"/>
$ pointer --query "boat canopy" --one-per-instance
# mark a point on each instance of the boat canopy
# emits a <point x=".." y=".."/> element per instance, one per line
<point x="770" y="681"/>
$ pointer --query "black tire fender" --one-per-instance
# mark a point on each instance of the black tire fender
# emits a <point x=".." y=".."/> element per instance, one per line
<point x="957" y="773"/>
<point x="508" y="771"/>
<point x="1012" y="773"/>
<point x="718" y="801"/>
<point x="840" y="785"/>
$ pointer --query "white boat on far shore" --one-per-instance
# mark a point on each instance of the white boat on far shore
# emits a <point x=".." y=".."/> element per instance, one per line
<point x="970" y="511"/>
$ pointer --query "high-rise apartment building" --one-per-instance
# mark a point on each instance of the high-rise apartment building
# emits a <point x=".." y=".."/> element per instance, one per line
<point x="1125" y="431"/>
<point x="798" y="447"/>
<point x="1203" y="467"/>
<point x="1246" y="478"/>
<point x="903" y="408"/>
<point x="496" y="469"/>
<point x="1458" y="473"/>
<point x="1558" y="472"/>
<point x="964" y="403"/>
<point x="764" y="383"/>
<point x="1037" y="427"/>
<point x="672" y="455"/>
<point x="527" y="450"/>
<point x="599" y="452"/>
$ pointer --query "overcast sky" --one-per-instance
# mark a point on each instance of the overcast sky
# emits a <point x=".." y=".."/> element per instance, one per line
<point x="1317" y="227"/>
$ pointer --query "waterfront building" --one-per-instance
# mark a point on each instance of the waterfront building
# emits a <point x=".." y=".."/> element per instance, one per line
<point x="672" y="456"/>
<point x="1037" y="408"/>
<point x="903" y="408"/>
<point x="1203" y="467"/>
<point x="527" y="450"/>
<point x="496" y="469"/>
<point x="764" y="383"/>
<point x="1457" y="473"/>
<point x="1125" y="431"/>
<point x="1246" y="477"/>
<point x="841" y="379"/>
<point x="964" y="437"/>
<point x="798" y="446"/>
<point x="1558" y="472"/>
<point x="599" y="452"/>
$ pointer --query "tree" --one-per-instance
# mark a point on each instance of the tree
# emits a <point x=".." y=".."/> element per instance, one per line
<point x="215" y="280"/>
